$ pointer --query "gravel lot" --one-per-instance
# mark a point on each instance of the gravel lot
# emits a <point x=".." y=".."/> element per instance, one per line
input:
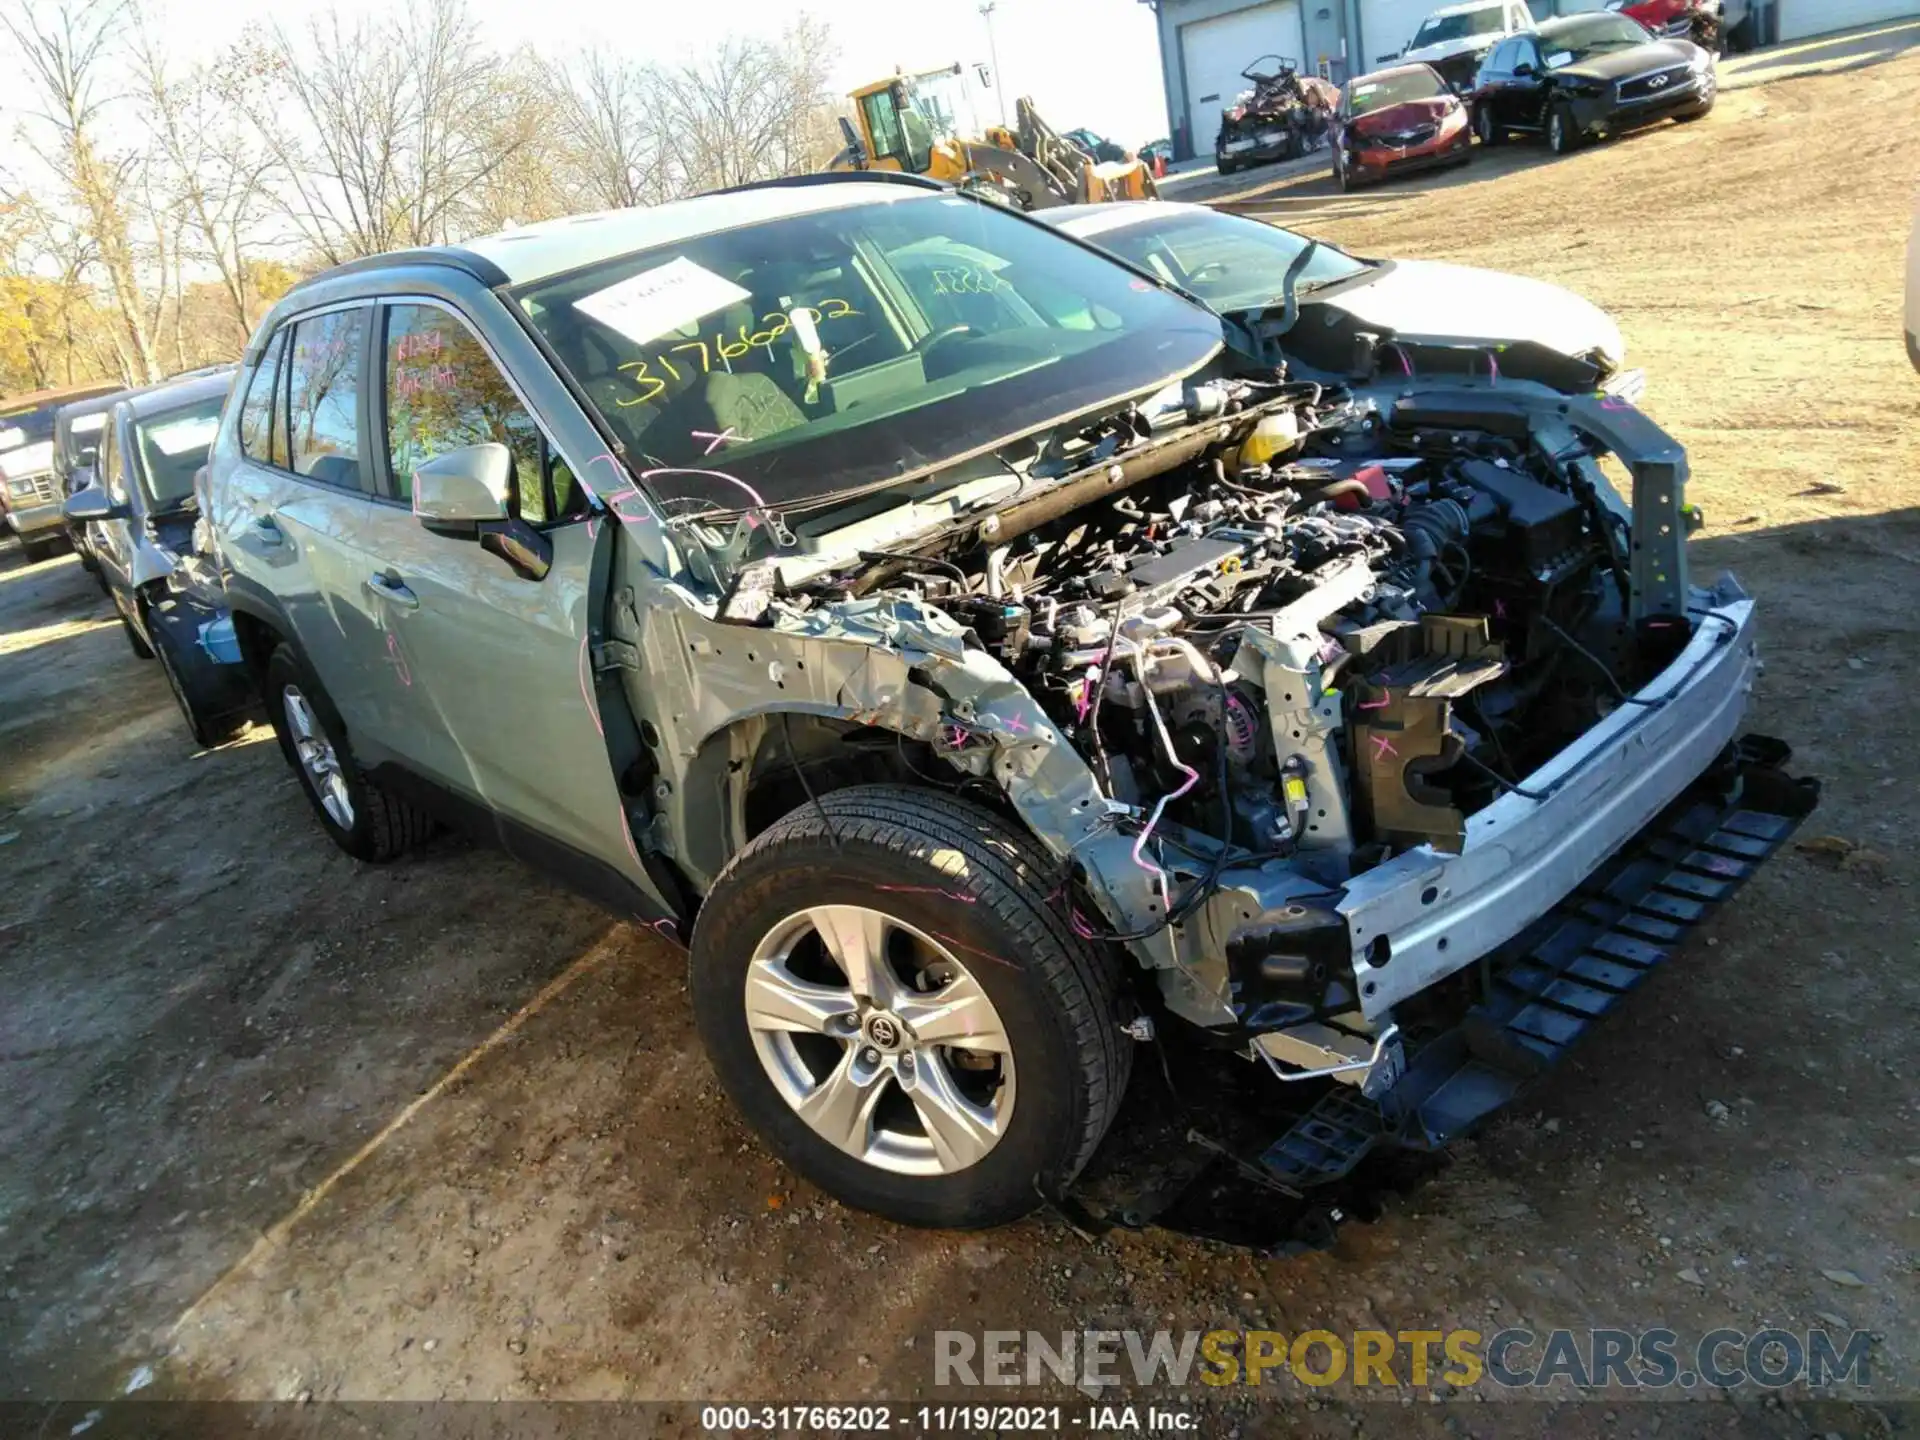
<point x="278" y="1125"/>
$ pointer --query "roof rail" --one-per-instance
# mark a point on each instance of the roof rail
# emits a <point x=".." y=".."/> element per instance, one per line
<point x="454" y="257"/>
<point x="835" y="177"/>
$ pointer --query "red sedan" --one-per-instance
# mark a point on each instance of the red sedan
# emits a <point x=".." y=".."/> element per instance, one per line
<point x="1395" y="121"/>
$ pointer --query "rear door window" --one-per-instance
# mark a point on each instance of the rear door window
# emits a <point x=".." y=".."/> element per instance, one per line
<point x="323" y="398"/>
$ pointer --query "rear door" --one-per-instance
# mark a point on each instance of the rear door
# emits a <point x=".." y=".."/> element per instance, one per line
<point x="488" y="690"/>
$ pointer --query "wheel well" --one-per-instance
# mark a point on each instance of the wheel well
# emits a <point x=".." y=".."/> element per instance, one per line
<point x="745" y="777"/>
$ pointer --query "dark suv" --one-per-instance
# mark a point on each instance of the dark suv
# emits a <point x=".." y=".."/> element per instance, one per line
<point x="1588" y="75"/>
<point x="989" y="660"/>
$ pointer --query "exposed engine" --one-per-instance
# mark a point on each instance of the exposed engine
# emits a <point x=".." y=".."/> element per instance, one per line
<point x="1339" y="639"/>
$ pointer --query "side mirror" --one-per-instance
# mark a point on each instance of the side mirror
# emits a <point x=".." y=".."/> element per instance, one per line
<point x="465" y="487"/>
<point x="856" y="147"/>
<point x="468" y="492"/>
<point x="1525" y="67"/>
<point x="90" y="504"/>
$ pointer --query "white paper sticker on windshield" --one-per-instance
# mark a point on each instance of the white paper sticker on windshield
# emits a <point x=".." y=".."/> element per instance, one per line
<point x="177" y="437"/>
<point x="668" y="297"/>
<point x="1559" y="58"/>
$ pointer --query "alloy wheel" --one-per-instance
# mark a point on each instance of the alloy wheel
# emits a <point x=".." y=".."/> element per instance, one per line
<point x="877" y="1036"/>
<point x="318" y="762"/>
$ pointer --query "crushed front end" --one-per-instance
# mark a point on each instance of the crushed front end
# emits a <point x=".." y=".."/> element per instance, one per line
<point x="1379" y="722"/>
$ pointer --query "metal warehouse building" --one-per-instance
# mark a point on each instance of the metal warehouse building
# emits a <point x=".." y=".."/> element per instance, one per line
<point x="1205" y="44"/>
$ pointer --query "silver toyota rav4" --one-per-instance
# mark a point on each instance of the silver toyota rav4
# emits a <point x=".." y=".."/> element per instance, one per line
<point x="987" y="659"/>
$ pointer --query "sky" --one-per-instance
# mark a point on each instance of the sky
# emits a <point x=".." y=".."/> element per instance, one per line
<point x="1092" y="63"/>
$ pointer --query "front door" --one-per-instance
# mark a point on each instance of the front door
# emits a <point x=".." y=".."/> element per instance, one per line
<point x="489" y="690"/>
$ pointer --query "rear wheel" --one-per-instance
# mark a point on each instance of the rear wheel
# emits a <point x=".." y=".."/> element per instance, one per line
<point x="38" y="550"/>
<point x="888" y="997"/>
<point x="363" y="818"/>
<point x="1225" y="166"/>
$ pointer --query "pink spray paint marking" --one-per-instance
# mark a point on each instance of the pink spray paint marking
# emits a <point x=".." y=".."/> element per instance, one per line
<point x="619" y="475"/>
<point x="955" y="737"/>
<point x="666" y="928"/>
<point x="1499" y="608"/>
<point x="717" y="440"/>
<point x="1383" y="747"/>
<point x="399" y="662"/>
<point x="1376" y="704"/>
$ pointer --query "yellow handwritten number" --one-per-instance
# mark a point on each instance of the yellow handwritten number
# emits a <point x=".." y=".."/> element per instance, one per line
<point x="641" y="377"/>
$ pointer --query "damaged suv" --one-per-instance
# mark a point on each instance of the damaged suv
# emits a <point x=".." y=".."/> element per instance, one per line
<point x="987" y="659"/>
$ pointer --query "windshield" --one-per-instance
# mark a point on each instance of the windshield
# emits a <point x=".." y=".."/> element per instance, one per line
<point x="821" y="354"/>
<point x="1439" y="29"/>
<point x="1230" y="262"/>
<point x="173" y="444"/>
<point x="1587" y="37"/>
<point x="29" y="427"/>
<point x="1366" y="96"/>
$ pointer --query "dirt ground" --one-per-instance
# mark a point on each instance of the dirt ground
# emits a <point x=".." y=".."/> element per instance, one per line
<point x="276" y="1125"/>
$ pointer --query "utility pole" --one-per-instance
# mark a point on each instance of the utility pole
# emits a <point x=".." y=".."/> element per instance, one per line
<point x="993" y="50"/>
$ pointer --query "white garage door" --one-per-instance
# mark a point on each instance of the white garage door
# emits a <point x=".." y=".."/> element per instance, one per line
<point x="1214" y="52"/>
<point x="1801" y="18"/>
<point x="1387" y="25"/>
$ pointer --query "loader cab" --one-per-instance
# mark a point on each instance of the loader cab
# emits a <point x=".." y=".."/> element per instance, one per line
<point x="896" y="135"/>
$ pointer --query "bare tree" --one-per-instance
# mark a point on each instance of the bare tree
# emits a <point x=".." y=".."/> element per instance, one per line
<point x="380" y="129"/>
<point x="214" y="164"/>
<point x="747" y="111"/>
<point x="62" y="47"/>
<point x="616" y="142"/>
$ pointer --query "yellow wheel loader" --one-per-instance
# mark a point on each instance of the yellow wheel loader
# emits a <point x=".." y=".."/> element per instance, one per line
<point x="913" y="123"/>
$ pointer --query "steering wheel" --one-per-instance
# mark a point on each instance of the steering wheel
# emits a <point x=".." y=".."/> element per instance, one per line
<point x="925" y="346"/>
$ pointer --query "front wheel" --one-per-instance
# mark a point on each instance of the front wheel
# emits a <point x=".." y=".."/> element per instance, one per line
<point x="1563" y="136"/>
<point x="1491" y="132"/>
<point x="888" y="997"/>
<point x="212" y="718"/>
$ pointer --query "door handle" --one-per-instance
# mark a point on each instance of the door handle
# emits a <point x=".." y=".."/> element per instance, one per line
<point x="392" y="587"/>
<point x="266" y="531"/>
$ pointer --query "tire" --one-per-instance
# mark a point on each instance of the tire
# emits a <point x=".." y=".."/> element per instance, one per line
<point x="1491" y="133"/>
<point x="210" y="726"/>
<point x="37" y="550"/>
<point x="1563" y="138"/>
<point x="1342" y="174"/>
<point x="1693" y="115"/>
<point x="372" y="824"/>
<point x="1224" y="165"/>
<point x="1053" y="997"/>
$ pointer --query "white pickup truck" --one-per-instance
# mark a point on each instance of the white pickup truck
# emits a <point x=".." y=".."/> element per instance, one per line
<point x="1456" y="38"/>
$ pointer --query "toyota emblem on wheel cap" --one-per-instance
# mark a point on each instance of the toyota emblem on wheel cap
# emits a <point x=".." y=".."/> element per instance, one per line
<point x="883" y="1032"/>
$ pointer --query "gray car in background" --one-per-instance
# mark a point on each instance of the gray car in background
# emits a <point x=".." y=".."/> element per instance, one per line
<point x="139" y="514"/>
<point x="991" y="660"/>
